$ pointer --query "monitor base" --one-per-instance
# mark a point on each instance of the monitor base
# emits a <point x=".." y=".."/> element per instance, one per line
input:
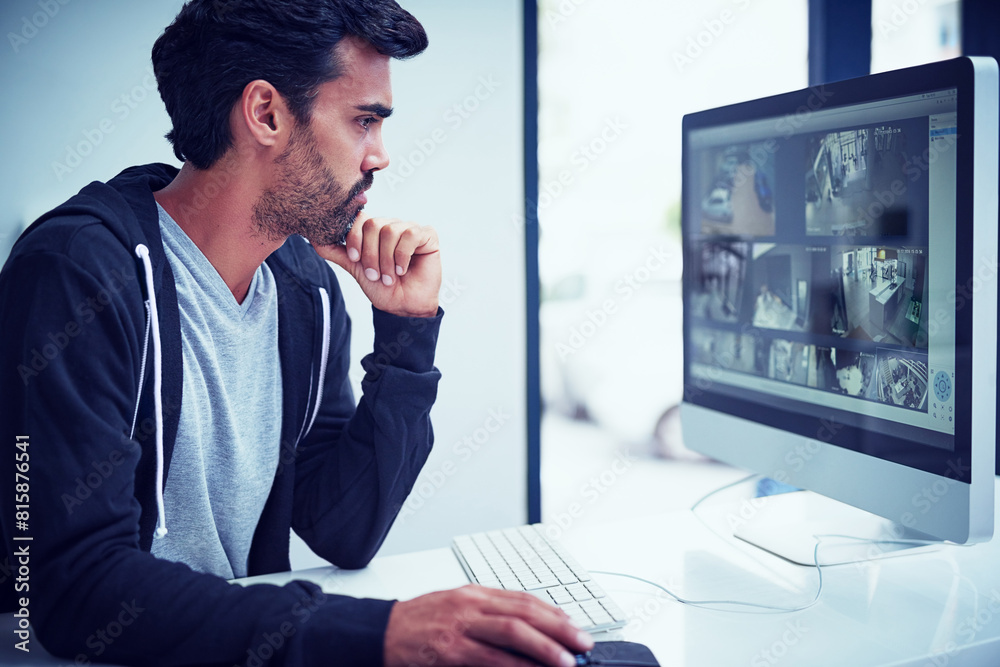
<point x="788" y="525"/>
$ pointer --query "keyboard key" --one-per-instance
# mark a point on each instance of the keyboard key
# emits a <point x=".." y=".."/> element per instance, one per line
<point x="542" y="595"/>
<point x="525" y="559"/>
<point x="600" y="617"/>
<point x="579" y="592"/>
<point x="566" y="577"/>
<point x="613" y="610"/>
<point x="577" y="615"/>
<point x="560" y="595"/>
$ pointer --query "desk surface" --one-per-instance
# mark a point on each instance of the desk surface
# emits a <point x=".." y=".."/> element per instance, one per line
<point x="936" y="608"/>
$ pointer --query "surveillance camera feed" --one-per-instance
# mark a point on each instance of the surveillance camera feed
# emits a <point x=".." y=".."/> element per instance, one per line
<point x="812" y="256"/>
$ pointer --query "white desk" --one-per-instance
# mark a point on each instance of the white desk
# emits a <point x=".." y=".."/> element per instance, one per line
<point x="932" y="609"/>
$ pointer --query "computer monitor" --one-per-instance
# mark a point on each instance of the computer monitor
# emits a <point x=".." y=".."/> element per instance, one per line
<point x="840" y="302"/>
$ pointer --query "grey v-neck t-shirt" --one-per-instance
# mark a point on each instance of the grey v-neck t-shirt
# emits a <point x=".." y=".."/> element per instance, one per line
<point x="228" y="440"/>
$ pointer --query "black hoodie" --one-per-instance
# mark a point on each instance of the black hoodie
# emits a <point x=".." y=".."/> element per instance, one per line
<point x="90" y="398"/>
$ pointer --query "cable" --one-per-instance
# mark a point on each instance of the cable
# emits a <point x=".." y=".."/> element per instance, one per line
<point x="704" y="603"/>
<point x="769" y="609"/>
<point x="721" y="489"/>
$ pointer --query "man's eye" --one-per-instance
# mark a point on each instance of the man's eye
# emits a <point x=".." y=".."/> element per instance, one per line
<point x="367" y="121"/>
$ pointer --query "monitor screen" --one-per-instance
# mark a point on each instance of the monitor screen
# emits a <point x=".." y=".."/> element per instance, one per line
<point x="829" y="272"/>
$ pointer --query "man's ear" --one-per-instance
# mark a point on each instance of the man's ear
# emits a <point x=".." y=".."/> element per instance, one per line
<point x="264" y="114"/>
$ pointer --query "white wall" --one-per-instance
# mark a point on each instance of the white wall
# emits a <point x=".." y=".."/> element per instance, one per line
<point x="457" y="170"/>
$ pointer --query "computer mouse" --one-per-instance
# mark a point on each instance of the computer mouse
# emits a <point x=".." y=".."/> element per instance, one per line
<point x="582" y="659"/>
<point x="619" y="654"/>
<point x="612" y="654"/>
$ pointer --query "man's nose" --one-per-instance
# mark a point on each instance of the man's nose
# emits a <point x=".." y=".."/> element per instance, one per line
<point x="377" y="157"/>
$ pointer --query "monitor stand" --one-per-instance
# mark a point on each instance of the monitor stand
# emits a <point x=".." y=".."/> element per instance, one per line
<point x="788" y="524"/>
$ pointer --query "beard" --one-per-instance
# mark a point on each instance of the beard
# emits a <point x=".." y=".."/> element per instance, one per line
<point x="307" y="199"/>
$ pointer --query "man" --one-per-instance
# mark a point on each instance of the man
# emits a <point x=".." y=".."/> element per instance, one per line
<point x="173" y="370"/>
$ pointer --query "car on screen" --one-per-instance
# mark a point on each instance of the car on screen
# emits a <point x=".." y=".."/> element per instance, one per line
<point x="718" y="205"/>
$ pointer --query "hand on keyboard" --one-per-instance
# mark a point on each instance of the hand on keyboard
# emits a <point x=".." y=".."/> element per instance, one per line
<point x="525" y="559"/>
<point x="475" y="625"/>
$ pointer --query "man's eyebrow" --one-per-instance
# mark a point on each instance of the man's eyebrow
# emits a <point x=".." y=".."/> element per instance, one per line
<point x="379" y="110"/>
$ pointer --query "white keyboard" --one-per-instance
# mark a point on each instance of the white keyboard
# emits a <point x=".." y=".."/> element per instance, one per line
<point x="525" y="559"/>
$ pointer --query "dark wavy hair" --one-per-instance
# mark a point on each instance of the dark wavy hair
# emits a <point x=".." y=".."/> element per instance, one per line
<point x="214" y="48"/>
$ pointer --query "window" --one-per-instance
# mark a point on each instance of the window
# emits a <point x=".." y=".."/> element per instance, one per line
<point x="914" y="32"/>
<point x="615" y="79"/>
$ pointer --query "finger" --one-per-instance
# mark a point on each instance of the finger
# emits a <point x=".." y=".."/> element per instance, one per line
<point x="545" y="617"/>
<point x="370" y="232"/>
<point x="430" y="243"/>
<point x="522" y="605"/>
<point x="520" y="636"/>
<point x="336" y="254"/>
<point x="352" y="242"/>
<point x="389" y="237"/>
<point x="409" y="241"/>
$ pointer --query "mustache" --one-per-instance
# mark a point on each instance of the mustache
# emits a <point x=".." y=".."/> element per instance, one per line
<point x="362" y="185"/>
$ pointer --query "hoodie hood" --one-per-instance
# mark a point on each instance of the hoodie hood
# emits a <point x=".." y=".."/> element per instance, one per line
<point x="123" y="206"/>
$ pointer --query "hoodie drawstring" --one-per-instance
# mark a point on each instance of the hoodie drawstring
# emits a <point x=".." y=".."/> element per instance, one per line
<point x="324" y="355"/>
<point x="161" y="521"/>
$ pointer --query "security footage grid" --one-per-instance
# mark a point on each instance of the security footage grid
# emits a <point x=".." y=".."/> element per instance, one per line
<point x="770" y="223"/>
